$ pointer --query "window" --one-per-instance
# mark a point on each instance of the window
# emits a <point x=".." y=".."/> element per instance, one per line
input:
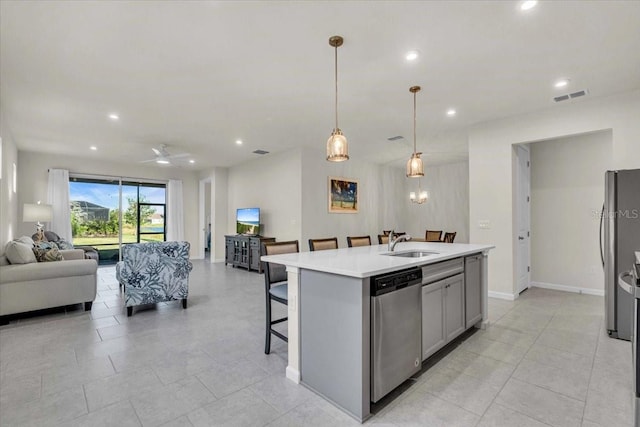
<point x="108" y="212"/>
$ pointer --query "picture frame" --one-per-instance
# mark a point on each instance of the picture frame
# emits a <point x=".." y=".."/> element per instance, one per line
<point x="342" y="195"/>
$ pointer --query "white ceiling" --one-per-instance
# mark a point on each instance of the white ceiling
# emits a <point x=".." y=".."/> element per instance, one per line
<point x="199" y="75"/>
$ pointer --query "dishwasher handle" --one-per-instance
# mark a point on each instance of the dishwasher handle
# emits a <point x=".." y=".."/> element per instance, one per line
<point x="434" y="272"/>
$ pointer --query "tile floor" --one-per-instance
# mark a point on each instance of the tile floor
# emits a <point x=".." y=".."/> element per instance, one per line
<point x="545" y="361"/>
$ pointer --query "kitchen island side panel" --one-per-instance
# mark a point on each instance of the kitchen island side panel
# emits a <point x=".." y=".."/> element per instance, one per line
<point x="335" y="339"/>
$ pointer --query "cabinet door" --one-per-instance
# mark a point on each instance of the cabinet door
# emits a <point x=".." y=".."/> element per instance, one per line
<point x="228" y="250"/>
<point x="433" y="337"/>
<point x="454" y="306"/>
<point x="255" y="258"/>
<point x="473" y="290"/>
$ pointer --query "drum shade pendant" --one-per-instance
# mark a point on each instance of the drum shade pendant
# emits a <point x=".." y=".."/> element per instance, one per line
<point x="337" y="147"/>
<point x="414" y="165"/>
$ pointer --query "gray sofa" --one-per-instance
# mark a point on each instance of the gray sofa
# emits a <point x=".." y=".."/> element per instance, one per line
<point x="40" y="285"/>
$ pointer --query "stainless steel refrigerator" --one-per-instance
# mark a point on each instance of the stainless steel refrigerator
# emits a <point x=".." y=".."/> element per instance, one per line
<point x="620" y="233"/>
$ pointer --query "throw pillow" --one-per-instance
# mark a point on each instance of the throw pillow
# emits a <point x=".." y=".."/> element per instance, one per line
<point x="25" y="239"/>
<point x="45" y="245"/>
<point x="46" y="255"/>
<point x="63" y="244"/>
<point x="19" y="253"/>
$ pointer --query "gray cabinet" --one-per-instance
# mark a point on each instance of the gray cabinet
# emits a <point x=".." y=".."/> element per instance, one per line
<point x="228" y="249"/>
<point x="454" y="306"/>
<point x="433" y="336"/>
<point x="473" y="289"/>
<point x="255" y="249"/>
<point x="443" y="314"/>
<point x="245" y="251"/>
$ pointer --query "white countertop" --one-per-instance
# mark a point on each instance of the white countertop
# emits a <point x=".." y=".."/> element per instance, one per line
<point x="366" y="261"/>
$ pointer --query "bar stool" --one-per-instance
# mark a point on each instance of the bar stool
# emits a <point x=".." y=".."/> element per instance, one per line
<point x="275" y="285"/>
<point x="358" y="241"/>
<point x="323" y="244"/>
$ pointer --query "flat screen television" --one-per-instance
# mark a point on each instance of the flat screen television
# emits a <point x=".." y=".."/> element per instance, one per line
<point x="248" y="221"/>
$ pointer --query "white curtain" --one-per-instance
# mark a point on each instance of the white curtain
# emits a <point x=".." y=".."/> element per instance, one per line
<point x="58" y="198"/>
<point x="175" y="214"/>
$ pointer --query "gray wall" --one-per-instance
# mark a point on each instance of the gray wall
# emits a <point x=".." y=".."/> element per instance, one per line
<point x="271" y="183"/>
<point x="567" y="191"/>
<point x="448" y="206"/>
<point x="379" y="198"/>
<point x="291" y="190"/>
<point x="491" y="165"/>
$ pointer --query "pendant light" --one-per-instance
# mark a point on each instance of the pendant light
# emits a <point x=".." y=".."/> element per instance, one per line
<point x="420" y="197"/>
<point x="337" y="148"/>
<point x="414" y="165"/>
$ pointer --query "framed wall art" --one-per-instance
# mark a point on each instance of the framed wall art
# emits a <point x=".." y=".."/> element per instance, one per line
<point x="343" y="195"/>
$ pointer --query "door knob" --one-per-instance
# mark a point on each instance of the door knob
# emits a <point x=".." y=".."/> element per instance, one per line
<point x="520" y="238"/>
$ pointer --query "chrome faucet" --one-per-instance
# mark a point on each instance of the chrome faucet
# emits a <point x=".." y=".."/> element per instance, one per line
<point x="391" y="244"/>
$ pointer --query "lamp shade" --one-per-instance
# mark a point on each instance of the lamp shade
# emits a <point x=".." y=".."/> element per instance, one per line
<point x="414" y="166"/>
<point x="337" y="149"/>
<point x="37" y="213"/>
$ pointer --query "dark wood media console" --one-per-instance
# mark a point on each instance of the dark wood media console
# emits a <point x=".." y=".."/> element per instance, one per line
<point x="244" y="251"/>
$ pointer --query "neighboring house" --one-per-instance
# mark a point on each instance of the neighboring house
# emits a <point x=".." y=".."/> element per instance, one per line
<point x="157" y="219"/>
<point x="90" y="211"/>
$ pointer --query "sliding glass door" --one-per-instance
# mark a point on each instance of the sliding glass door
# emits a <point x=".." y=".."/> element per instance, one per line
<point x="109" y="212"/>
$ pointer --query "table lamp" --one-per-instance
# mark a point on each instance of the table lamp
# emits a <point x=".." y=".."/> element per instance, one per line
<point x="37" y="213"/>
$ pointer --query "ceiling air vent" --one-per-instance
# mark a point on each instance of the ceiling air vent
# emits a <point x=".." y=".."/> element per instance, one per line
<point x="261" y="152"/>
<point x="578" y="94"/>
<point x="395" y="138"/>
<point x="573" y="95"/>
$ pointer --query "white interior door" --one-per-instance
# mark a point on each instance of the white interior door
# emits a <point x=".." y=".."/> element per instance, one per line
<point x="523" y="218"/>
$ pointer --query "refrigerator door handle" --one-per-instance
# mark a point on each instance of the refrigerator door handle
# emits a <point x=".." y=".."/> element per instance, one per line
<point x="601" y="233"/>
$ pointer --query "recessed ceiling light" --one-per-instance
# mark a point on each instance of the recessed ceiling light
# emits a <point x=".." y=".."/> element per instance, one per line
<point x="451" y="112"/>
<point x="528" y="5"/>
<point x="561" y="83"/>
<point x="114" y="116"/>
<point x="412" y="55"/>
<point x="239" y="141"/>
<point x="93" y="147"/>
<point x="192" y="161"/>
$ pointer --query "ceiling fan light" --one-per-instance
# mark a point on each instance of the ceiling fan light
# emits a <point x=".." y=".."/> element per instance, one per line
<point x="337" y="148"/>
<point x="414" y="166"/>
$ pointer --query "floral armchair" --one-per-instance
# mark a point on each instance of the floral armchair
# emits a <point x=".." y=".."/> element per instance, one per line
<point x="154" y="272"/>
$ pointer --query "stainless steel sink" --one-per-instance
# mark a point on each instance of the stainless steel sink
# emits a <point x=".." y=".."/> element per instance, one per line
<point x="412" y="254"/>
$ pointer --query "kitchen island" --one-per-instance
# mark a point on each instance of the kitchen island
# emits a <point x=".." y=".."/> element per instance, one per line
<point x="329" y="312"/>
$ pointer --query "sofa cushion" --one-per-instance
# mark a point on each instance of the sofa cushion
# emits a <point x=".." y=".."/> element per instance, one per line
<point x="19" y="253"/>
<point x="47" y="255"/>
<point x="47" y="270"/>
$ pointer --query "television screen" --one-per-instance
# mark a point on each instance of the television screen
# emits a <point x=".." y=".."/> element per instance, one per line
<point x="248" y="221"/>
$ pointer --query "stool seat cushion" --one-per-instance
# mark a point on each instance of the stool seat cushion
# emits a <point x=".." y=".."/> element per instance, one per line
<point x="279" y="291"/>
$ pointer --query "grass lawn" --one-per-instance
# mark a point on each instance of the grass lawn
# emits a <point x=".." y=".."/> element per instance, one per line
<point x="112" y="241"/>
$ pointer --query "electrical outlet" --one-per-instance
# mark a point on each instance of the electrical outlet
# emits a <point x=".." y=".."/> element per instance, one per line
<point x="484" y="224"/>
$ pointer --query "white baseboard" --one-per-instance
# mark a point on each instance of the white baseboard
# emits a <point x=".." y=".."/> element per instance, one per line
<point x="293" y="374"/>
<point x="565" y="288"/>
<point x="502" y="295"/>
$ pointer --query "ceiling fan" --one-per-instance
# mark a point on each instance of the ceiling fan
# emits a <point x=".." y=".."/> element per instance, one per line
<point x="163" y="157"/>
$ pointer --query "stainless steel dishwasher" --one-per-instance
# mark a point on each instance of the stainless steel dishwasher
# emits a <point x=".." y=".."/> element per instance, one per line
<point x="396" y="322"/>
